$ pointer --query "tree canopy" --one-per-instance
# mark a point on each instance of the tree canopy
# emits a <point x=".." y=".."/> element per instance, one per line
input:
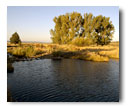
<point x="15" y="39"/>
<point x="72" y="28"/>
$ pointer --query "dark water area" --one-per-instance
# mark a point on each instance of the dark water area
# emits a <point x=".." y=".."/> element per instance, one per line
<point x="66" y="80"/>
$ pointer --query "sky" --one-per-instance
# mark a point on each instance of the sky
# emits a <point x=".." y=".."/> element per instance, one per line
<point x="33" y="23"/>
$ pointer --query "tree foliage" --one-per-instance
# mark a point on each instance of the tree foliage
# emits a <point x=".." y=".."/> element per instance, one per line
<point x="15" y="39"/>
<point x="75" y="29"/>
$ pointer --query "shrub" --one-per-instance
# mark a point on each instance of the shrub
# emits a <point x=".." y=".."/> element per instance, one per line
<point x="57" y="53"/>
<point x="26" y="51"/>
<point x="29" y="51"/>
<point x="79" y="41"/>
<point x="19" y="51"/>
<point x="38" y="51"/>
<point x="92" y="56"/>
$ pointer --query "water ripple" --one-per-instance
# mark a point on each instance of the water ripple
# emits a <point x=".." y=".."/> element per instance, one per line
<point x="65" y="81"/>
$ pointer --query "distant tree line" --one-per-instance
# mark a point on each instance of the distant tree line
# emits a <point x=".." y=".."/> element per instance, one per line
<point x="72" y="28"/>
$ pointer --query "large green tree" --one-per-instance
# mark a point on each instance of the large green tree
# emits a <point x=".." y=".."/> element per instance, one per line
<point x="15" y="39"/>
<point x="73" y="28"/>
<point x="103" y="30"/>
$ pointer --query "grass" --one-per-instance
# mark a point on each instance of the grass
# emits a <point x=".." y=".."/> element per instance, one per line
<point x="111" y="54"/>
<point x="91" y="56"/>
<point x="91" y="53"/>
<point x="29" y="51"/>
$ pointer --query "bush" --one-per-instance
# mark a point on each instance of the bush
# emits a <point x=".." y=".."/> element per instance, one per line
<point x="57" y="53"/>
<point x="92" y="56"/>
<point x="26" y="51"/>
<point x="19" y="51"/>
<point x="79" y="41"/>
<point x="29" y="51"/>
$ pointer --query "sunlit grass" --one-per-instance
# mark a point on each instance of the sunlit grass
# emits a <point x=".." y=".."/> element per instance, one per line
<point x="25" y="51"/>
<point x="111" y="54"/>
<point x="91" y="53"/>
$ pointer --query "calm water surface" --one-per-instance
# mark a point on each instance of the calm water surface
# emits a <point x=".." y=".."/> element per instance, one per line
<point x="65" y="80"/>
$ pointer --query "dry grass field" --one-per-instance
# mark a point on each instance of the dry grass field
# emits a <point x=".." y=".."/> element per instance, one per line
<point x="55" y="51"/>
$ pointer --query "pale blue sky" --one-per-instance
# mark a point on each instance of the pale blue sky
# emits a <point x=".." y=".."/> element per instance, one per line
<point x="33" y="23"/>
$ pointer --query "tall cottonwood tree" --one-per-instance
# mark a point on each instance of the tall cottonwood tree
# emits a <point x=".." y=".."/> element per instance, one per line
<point x="73" y="28"/>
<point x="88" y="28"/>
<point x="103" y="30"/>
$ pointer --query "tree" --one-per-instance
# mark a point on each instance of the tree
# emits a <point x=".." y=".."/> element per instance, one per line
<point x="73" y="28"/>
<point x="66" y="28"/>
<point x="103" y="30"/>
<point x="15" y="39"/>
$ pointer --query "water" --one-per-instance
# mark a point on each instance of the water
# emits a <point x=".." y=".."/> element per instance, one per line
<point x="65" y="80"/>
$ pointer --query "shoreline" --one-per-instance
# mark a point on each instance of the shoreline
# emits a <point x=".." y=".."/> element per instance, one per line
<point x="54" y="51"/>
<point x="16" y="59"/>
